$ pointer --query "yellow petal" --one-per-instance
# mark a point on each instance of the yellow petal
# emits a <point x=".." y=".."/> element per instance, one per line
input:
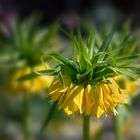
<point x="73" y="107"/>
<point x="118" y="95"/>
<point x="56" y="96"/>
<point x="87" y="100"/>
<point x="97" y="111"/>
<point x="71" y="94"/>
<point x="79" y="100"/>
<point x="57" y="84"/>
<point x="107" y="96"/>
<point x="67" y="111"/>
<point x="98" y="104"/>
<point x="64" y="103"/>
<point x="98" y="96"/>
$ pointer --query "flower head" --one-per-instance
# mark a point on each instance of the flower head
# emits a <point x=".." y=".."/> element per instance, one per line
<point x="85" y="83"/>
<point x="27" y="42"/>
<point x="15" y="87"/>
<point x="91" y="99"/>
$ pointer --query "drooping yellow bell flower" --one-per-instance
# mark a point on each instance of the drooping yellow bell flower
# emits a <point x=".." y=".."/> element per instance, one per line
<point x="92" y="99"/>
<point x="15" y="87"/>
<point x="87" y="85"/>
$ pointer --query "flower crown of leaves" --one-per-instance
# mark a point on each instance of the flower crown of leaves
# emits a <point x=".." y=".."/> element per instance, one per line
<point x="94" y="62"/>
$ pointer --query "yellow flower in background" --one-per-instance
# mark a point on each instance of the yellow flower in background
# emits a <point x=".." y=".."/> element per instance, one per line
<point x="27" y="42"/>
<point x="92" y="99"/>
<point x="15" y="87"/>
<point x="130" y="85"/>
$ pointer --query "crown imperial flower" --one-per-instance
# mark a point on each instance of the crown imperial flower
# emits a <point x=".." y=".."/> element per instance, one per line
<point x="28" y="86"/>
<point x="92" y="99"/>
<point x="86" y="82"/>
<point x="87" y="85"/>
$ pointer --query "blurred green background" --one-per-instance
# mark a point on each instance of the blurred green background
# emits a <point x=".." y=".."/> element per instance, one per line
<point x="31" y="28"/>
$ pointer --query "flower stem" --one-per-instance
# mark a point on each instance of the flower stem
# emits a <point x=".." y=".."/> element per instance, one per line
<point x="27" y="122"/>
<point x="118" y="128"/>
<point x="86" y="135"/>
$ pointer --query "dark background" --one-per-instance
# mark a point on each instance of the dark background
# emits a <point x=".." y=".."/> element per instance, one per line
<point x="53" y="9"/>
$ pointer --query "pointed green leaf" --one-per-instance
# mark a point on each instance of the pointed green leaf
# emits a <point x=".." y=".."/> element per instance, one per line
<point x="106" y="43"/>
<point x="37" y="74"/>
<point x="63" y="61"/>
<point x="84" y="63"/>
<point x="91" y="44"/>
<point x="48" y="117"/>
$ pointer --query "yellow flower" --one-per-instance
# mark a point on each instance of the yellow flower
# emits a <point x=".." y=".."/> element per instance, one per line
<point x="92" y="99"/>
<point x="131" y="86"/>
<point x="15" y="87"/>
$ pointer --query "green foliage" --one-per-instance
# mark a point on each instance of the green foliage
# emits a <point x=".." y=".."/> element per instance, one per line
<point x="39" y="73"/>
<point x="28" y="41"/>
<point x="93" y="62"/>
<point x="48" y="117"/>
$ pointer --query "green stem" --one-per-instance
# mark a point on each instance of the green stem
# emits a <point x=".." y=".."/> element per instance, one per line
<point x="27" y="122"/>
<point x="118" y="127"/>
<point x="86" y="135"/>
